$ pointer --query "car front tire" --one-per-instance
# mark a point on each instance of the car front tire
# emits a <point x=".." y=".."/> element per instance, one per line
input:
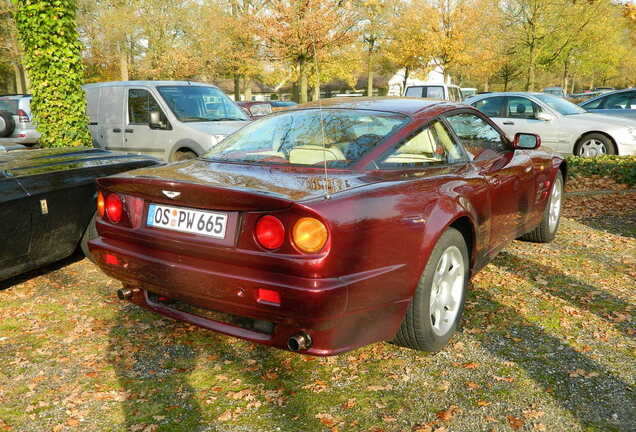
<point x="438" y="303"/>
<point x="594" y="144"/>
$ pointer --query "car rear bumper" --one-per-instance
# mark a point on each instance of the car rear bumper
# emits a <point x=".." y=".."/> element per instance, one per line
<point x="329" y="310"/>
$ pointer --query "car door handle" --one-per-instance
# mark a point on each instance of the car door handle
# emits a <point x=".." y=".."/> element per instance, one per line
<point x="129" y="130"/>
<point x="117" y="130"/>
<point x="509" y="123"/>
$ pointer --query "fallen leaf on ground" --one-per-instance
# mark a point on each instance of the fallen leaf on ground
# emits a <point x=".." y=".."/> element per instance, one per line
<point x="514" y="422"/>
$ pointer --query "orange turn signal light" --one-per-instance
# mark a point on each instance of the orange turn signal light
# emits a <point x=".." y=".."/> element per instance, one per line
<point x="309" y="234"/>
<point x="101" y="204"/>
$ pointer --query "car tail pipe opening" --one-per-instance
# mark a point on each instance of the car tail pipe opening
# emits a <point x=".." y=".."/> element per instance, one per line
<point x="299" y="342"/>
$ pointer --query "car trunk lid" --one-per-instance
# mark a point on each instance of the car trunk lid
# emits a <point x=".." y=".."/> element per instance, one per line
<point x="231" y="187"/>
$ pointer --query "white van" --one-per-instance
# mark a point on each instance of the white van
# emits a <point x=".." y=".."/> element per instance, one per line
<point x="447" y="92"/>
<point x="172" y="120"/>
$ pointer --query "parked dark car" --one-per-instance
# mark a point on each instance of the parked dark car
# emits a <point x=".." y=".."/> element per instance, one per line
<point x="620" y="103"/>
<point x="332" y="226"/>
<point x="47" y="201"/>
<point x="278" y="105"/>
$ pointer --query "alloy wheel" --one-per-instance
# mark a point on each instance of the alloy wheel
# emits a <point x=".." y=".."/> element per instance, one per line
<point x="447" y="290"/>
<point x="554" y="210"/>
<point x="592" y="148"/>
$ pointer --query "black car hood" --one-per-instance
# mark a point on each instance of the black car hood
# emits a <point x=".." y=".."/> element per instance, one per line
<point x="288" y="182"/>
<point x="22" y="163"/>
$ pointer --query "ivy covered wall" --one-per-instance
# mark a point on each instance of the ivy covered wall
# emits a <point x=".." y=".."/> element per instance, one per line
<point x="52" y="57"/>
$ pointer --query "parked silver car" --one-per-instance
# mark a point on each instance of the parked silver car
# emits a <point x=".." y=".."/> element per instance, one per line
<point x="16" y="126"/>
<point x="620" y="103"/>
<point x="564" y="127"/>
<point x="172" y="120"/>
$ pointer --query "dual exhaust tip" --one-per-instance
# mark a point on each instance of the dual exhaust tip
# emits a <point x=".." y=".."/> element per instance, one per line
<point x="299" y="342"/>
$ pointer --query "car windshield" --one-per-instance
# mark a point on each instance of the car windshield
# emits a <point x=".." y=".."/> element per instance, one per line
<point x="200" y="104"/>
<point x="560" y="105"/>
<point x="336" y="137"/>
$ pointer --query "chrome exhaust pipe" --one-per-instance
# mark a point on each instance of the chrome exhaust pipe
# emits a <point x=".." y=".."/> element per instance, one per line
<point x="126" y="293"/>
<point x="299" y="342"/>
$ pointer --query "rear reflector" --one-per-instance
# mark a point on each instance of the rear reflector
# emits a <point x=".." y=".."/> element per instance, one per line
<point x="111" y="259"/>
<point x="268" y="296"/>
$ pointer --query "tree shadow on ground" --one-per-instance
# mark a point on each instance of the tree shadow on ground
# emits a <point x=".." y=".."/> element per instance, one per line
<point x="153" y="366"/>
<point x="599" y="399"/>
<point x="624" y="226"/>
<point x="591" y="298"/>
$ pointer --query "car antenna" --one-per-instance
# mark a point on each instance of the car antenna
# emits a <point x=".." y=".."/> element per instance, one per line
<point x="322" y="127"/>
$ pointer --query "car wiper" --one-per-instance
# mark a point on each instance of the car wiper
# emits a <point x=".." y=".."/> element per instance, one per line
<point x="226" y="119"/>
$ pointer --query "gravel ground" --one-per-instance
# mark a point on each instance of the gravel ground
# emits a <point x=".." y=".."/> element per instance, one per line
<point x="547" y="345"/>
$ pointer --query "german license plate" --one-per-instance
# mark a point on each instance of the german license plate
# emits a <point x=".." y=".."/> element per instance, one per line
<point x="187" y="220"/>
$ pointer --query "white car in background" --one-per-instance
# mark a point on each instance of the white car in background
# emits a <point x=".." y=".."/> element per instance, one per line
<point x="564" y="127"/>
<point x="16" y="125"/>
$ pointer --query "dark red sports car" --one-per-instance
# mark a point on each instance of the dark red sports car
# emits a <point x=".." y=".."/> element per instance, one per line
<point x="332" y="226"/>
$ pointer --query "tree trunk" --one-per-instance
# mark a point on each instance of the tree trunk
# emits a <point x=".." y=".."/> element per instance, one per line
<point x="531" y="66"/>
<point x="20" y="80"/>
<point x="370" y="73"/>
<point x="237" y="87"/>
<point x="302" y="77"/>
<point x="247" y="89"/>
<point x="406" y="78"/>
<point x="123" y="62"/>
<point x="487" y="85"/>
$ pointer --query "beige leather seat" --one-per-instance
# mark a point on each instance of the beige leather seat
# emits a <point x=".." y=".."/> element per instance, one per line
<point x="420" y="148"/>
<point x="313" y="154"/>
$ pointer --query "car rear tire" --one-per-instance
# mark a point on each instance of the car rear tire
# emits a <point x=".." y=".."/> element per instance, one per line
<point x="182" y="155"/>
<point x="547" y="228"/>
<point x="594" y="144"/>
<point x="7" y="124"/>
<point x="89" y="234"/>
<point x="438" y="303"/>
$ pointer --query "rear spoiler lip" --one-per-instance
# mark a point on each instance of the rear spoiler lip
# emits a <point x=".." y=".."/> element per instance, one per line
<point x="237" y="198"/>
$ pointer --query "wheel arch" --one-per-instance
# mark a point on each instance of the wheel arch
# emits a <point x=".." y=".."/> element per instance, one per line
<point x="185" y="145"/>
<point x="583" y="135"/>
<point x="465" y="226"/>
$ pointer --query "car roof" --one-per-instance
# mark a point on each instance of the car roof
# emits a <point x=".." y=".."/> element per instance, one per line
<point x="400" y="105"/>
<point x="147" y="83"/>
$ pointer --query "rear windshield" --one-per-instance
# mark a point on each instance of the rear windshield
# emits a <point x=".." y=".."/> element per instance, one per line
<point x="336" y="137"/>
<point x="10" y="105"/>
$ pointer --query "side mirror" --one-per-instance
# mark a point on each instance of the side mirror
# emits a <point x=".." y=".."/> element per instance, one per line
<point x="544" y="116"/>
<point x="526" y="141"/>
<point x="155" y="120"/>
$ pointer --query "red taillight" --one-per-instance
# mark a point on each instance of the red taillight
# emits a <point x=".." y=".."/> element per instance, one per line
<point x="268" y="296"/>
<point x="101" y="205"/>
<point x="114" y="208"/>
<point x="23" y="117"/>
<point x="270" y="232"/>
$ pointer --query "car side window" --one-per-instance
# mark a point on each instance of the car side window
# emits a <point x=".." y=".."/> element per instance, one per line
<point x="595" y="104"/>
<point x="434" y="92"/>
<point x="413" y="92"/>
<point x="624" y="100"/>
<point x="140" y="104"/>
<point x="433" y="145"/>
<point x="492" y="106"/>
<point x="476" y="134"/>
<point x="521" y="108"/>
